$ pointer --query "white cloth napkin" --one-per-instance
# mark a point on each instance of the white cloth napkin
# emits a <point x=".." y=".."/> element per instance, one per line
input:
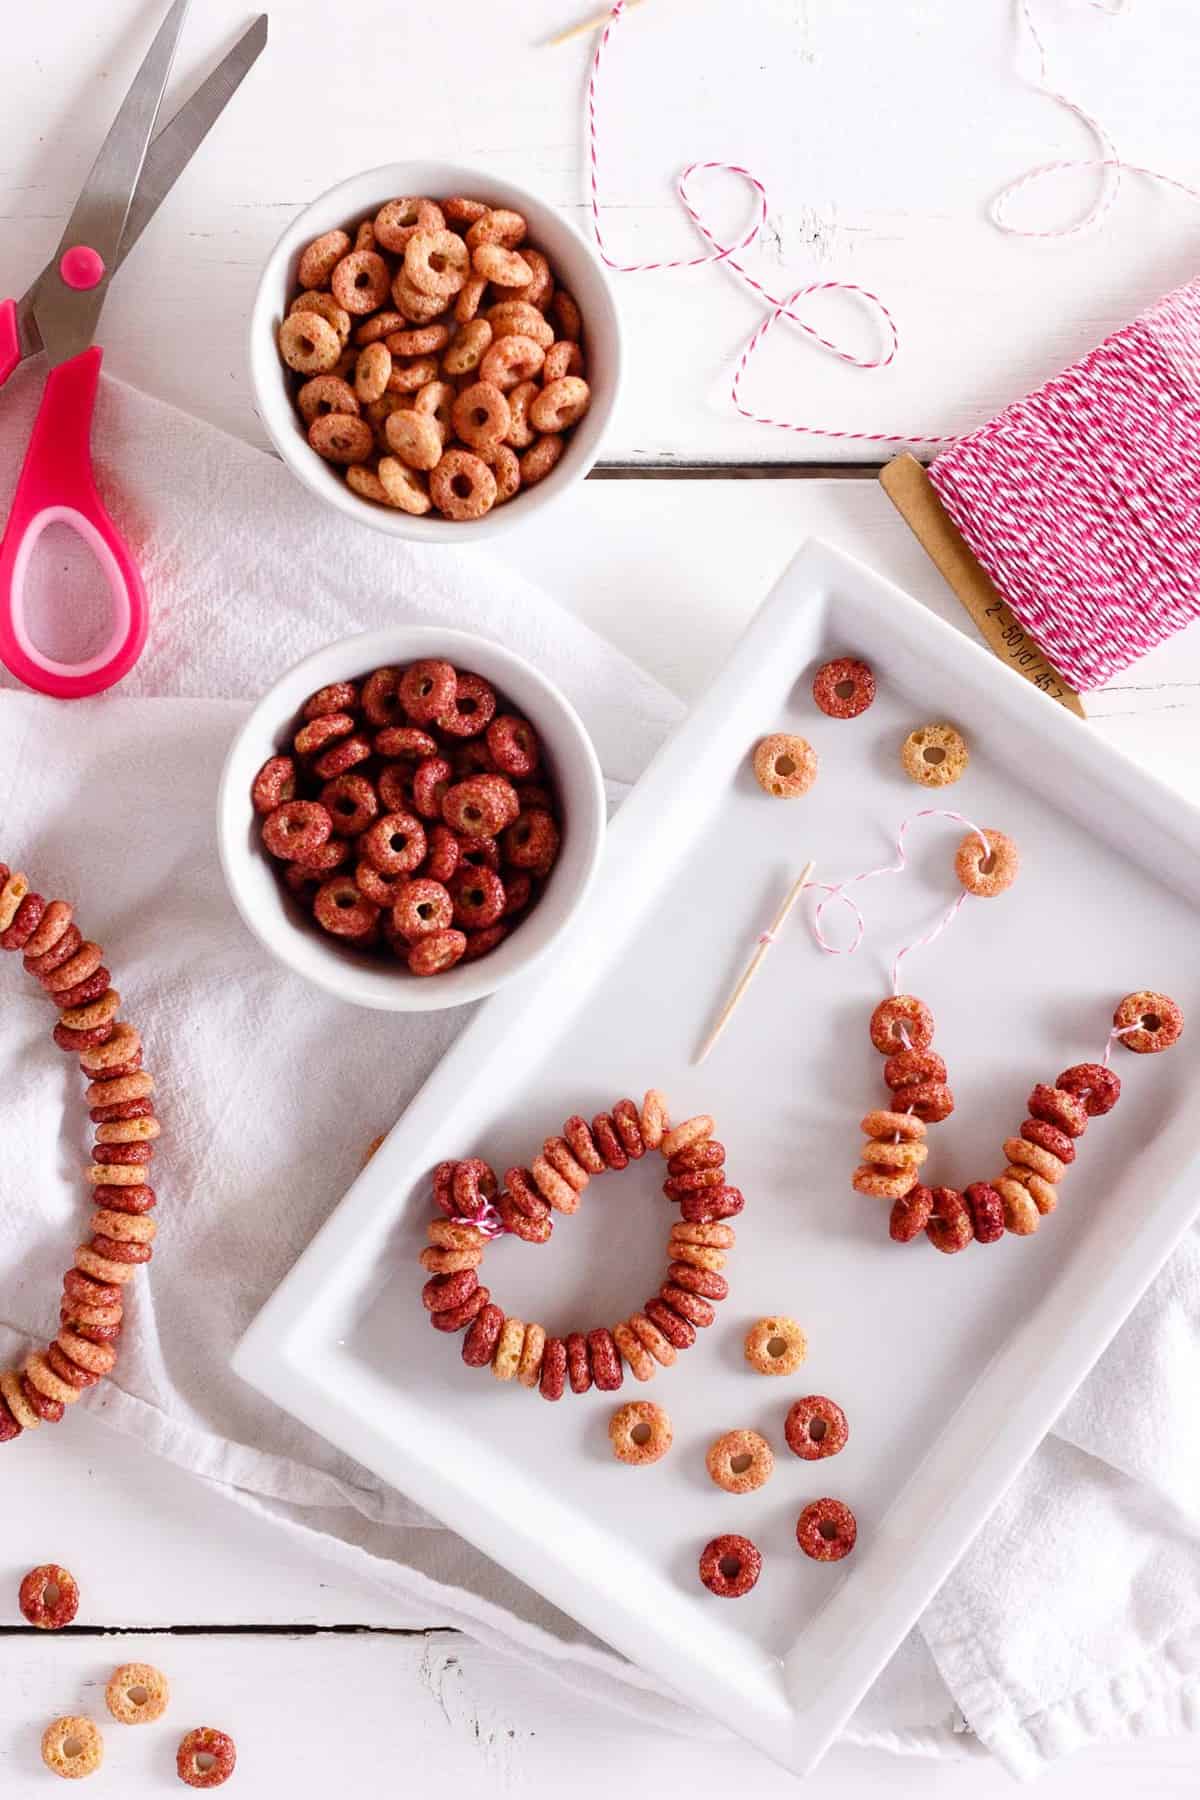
<point x="1073" y="1617"/>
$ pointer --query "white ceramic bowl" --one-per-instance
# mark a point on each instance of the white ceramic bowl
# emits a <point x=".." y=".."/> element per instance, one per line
<point x="253" y="877"/>
<point x="575" y="266"/>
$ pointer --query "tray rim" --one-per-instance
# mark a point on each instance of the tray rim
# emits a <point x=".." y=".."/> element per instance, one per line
<point x="795" y="1732"/>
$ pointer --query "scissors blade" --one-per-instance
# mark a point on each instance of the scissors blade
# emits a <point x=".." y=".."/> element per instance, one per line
<point x="168" y="156"/>
<point x="66" y="317"/>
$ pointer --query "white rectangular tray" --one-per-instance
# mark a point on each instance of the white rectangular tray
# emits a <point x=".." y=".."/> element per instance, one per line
<point x="950" y="1368"/>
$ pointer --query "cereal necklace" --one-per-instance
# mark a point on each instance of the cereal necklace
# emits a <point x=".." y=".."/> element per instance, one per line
<point x="110" y="1054"/>
<point x="471" y="1211"/>
<point x="902" y="1030"/>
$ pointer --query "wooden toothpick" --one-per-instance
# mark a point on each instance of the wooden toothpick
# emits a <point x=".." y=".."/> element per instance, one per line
<point x="588" y="24"/>
<point x="752" y="967"/>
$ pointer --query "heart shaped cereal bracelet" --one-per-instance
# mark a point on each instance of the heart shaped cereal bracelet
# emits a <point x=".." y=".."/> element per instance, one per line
<point x="71" y="969"/>
<point x="471" y="1211"/>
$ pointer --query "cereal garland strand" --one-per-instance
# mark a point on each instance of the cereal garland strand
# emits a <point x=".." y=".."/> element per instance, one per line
<point x="71" y="970"/>
<point x="472" y="1209"/>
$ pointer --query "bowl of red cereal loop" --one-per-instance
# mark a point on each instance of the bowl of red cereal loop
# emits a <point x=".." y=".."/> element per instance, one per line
<point x="434" y="351"/>
<point x="410" y="818"/>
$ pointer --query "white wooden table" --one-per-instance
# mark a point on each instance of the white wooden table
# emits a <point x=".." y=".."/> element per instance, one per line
<point x="879" y="131"/>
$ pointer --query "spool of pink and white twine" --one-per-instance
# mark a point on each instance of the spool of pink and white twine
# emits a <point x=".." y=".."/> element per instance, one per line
<point x="1080" y="501"/>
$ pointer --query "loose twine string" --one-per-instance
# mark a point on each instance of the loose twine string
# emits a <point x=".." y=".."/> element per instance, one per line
<point x="1107" y="563"/>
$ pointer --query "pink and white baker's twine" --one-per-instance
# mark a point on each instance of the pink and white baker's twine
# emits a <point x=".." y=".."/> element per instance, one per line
<point x="837" y="891"/>
<point x="780" y="306"/>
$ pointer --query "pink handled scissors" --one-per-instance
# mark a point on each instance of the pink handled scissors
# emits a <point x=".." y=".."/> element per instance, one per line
<point x="58" y="314"/>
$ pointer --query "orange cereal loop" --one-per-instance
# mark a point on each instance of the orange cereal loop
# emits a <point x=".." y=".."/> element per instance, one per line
<point x="934" y="755"/>
<point x="132" y="1228"/>
<point x="653" y="1119"/>
<point x="366" y="484"/>
<point x="102" y="1268"/>
<point x="987" y="870"/>
<point x="137" y="1694"/>
<point x="56" y="921"/>
<point x="418" y="308"/>
<point x="699" y="1256"/>
<point x="308" y="343"/>
<point x="327" y="306"/>
<point x="469" y="300"/>
<point x="450" y="1235"/>
<point x="12" y="891"/>
<point x="652" y="1339"/>
<point x="1033" y="1156"/>
<point x="562" y="358"/>
<point x="538" y="461"/>
<point x="506" y="1358"/>
<point x="410" y="375"/>
<point x="14" y="1399"/>
<point x="512" y="360"/>
<point x="640" y="1433"/>
<point x="716" y="1235"/>
<point x="1156" y="1018"/>
<point x="775" y="1346"/>
<point x="1040" y="1190"/>
<point x="882" y="1124"/>
<point x="506" y="468"/>
<point x="466" y="352"/>
<point x="740" y="1461"/>
<point x="498" y="225"/>
<point x="461" y="211"/>
<point x="567" y="315"/>
<point x="901" y="1022"/>
<point x="894" y="1156"/>
<point x="516" y="318"/>
<point x="480" y="416"/>
<point x="538" y="291"/>
<point x="462" y="486"/>
<point x="785" y="765"/>
<point x="325" y="394"/>
<point x="1021" y="1215"/>
<point x="372" y="372"/>
<point x="560" y="404"/>
<point x="72" y="1747"/>
<point x="361" y="282"/>
<point x="520" y="432"/>
<point x="397" y="220"/>
<point x="437" y="263"/>
<point x="641" y="1363"/>
<point x="414" y="438"/>
<point x="364" y="237"/>
<point x="692" y="1131"/>
<point x="436" y="399"/>
<point x="883" y="1184"/>
<point x="529" y="1367"/>
<point x="379" y="325"/>
<point x="441" y="1261"/>
<point x="341" y="438"/>
<point x="319" y="259"/>
<point x="419" y="340"/>
<point x="403" y="487"/>
<point x="553" y="1187"/>
<point x="506" y="268"/>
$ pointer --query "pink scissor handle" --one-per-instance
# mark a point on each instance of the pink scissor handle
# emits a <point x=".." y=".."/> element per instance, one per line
<point x="57" y="487"/>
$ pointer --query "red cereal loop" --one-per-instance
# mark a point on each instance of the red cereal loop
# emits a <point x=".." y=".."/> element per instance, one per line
<point x="479" y="852"/>
<point x="604" y="1360"/>
<point x="479" y="1345"/>
<point x="713" y="1204"/>
<point x="9" y="1428"/>
<point x="89" y="989"/>
<point x="815" y="1427"/>
<point x="986" y="1211"/>
<point x="296" y="830"/>
<point x="532" y="842"/>
<point x="405" y="741"/>
<point x="72" y="1372"/>
<point x="381" y="702"/>
<point x="429" y="783"/>
<point x="340" y="909"/>
<point x="351" y="803"/>
<point x="519" y="892"/>
<point x="583" y="1145"/>
<point x="473" y="1184"/>
<point x="26" y="920"/>
<point x="532" y="1230"/>
<point x="473" y="709"/>
<point x="319" y="733"/>
<point x="844" y="688"/>
<point x="443" y="1188"/>
<point x="205" y="1741"/>
<point x="910" y="1215"/>
<point x="48" y="1597"/>
<point x="627" y="1119"/>
<point x="901" y="1016"/>
<point x="480" y="806"/>
<point x="55" y="921"/>
<point x="457" y="1318"/>
<point x="578" y="1373"/>
<point x="88" y="1291"/>
<point x="383" y="890"/>
<point x="911" y="1068"/>
<point x="427" y="689"/>
<point x="553" y="1380"/>
<point x="1158" y="1018"/>
<point x="422" y="906"/>
<point x="442" y="1292"/>
<point x="63" y="948"/>
<point x="1099" y="1089"/>
<point x="604" y="1133"/>
<point x="707" y="1153"/>
<point x="1054" y="1106"/>
<point x="339" y="696"/>
<point x="826" y="1530"/>
<point x="344" y="756"/>
<point x="696" y="1181"/>
<point x="443" y="854"/>
<point x="395" y="844"/>
<point x="513" y="746"/>
<point x="698" y="1281"/>
<point x="524" y="1194"/>
<point x="988" y="871"/>
<point x="121" y="1110"/>
<point x="930" y="1101"/>
<point x="730" y="1566"/>
<point x="482" y="943"/>
<point x="690" y="1306"/>
<point x="478" y="898"/>
<point x="680" y="1333"/>
<point x="949" y="1228"/>
<point x="1048" y="1137"/>
<point x="274" y="783"/>
<point x="48" y="1410"/>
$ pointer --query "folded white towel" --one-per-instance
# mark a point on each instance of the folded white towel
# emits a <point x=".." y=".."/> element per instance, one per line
<point x="1074" y="1616"/>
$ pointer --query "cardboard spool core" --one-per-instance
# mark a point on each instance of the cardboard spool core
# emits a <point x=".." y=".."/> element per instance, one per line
<point x="908" y="487"/>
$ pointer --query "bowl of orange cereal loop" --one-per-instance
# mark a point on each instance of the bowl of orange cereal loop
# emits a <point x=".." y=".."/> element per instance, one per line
<point x="410" y="818"/>
<point x="434" y="351"/>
